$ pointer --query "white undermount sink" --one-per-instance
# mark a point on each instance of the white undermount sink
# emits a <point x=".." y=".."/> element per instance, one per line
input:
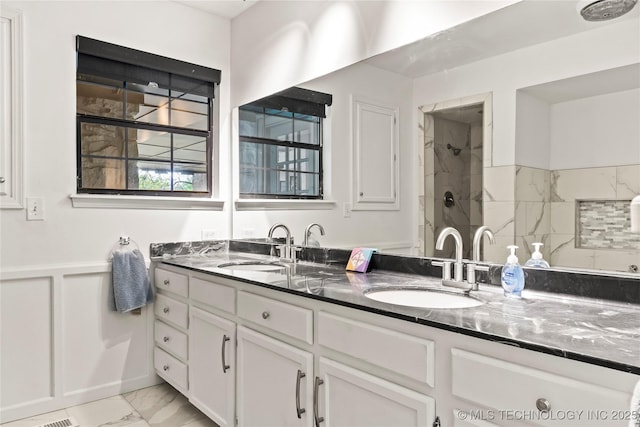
<point x="253" y="266"/>
<point x="423" y="298"/>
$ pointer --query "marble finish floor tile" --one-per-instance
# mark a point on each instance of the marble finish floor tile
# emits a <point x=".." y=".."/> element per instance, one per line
<point x="163" y="406"/>
<point x="157" y="406"/>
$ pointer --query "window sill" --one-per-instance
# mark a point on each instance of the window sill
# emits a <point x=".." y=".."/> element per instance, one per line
<point x="144" y="202"/>
<point x="283" y="204"/>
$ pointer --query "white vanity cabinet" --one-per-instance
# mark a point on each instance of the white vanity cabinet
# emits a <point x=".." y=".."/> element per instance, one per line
<point x="531" y="395"/>
<point x="253" y="356"/>
<point x="171" y="310"/>
<point x="212" y="349"/>
<point x="351" y="397"/>
<point x="212" y="366"/>
<point x="274" y="382"/>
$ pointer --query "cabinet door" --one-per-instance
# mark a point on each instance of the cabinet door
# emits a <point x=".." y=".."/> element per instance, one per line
<point x="274" y="382"/>
<point x="348" y="397"/>
<point x="211" y="367"/>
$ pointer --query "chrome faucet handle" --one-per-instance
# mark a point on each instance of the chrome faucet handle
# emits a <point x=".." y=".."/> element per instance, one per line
<point x="446" y="268"/>
<point x="295" y="250"/>
<point x="471" y="274"/>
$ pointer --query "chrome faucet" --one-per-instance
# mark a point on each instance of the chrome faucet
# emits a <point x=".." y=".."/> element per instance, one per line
<point x="472" y="267"/>
<point x="307" y="232"/>
<point x="457" y="266"/>
<point x="286" y="253"/>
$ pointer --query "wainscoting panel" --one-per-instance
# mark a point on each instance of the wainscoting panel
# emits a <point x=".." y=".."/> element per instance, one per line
<point x="61" y="344"/>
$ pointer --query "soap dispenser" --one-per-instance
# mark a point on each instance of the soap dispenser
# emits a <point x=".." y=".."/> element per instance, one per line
<point x="512" y="276"/>
<point x="536" y="259"/>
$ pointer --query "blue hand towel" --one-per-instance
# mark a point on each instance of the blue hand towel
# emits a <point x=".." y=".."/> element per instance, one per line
<point x="131" y="284"/>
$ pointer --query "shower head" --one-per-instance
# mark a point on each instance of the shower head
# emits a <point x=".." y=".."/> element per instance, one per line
<point x="604" y="10"/>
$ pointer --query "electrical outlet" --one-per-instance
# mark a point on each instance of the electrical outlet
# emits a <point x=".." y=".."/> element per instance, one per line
<point x="35" y="209"/>
<point x="347" y="210"/>
<point x="208" y="234"/>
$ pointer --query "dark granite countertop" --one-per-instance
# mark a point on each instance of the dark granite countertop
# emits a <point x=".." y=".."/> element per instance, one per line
<point x="600" y="332"/>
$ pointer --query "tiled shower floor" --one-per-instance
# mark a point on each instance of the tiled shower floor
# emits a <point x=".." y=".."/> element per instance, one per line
<point x="157" y="406"/>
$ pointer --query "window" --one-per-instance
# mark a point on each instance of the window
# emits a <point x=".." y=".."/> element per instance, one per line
<point x="281" y="145"/>
<point x="144" y="122"/>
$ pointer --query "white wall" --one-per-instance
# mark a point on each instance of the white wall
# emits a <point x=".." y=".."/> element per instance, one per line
<point x="545" y="62"/>
<point x="533" y="123"/>
<point x="59" y="344"/>
<point x="596" y="131"/>
<point x="278" y="44"/>
<point x="371" y="228"/>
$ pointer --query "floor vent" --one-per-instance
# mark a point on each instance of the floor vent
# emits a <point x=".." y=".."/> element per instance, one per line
<point x="65" y="422"/>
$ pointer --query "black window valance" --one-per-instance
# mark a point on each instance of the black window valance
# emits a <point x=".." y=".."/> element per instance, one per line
<point x="116" y="62"/>
<point x="296" y="99"/>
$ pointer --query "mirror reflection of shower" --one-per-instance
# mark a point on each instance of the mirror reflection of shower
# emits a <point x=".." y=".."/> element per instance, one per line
<point x="457" y="173"/>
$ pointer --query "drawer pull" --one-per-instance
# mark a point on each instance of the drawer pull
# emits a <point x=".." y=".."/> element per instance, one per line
<point x="165" y="368"/>
<point x="299" y="410"/>
<point x="166" y="282"/>
<point x="543" y="405"/>
<point x="316" y="390"/>
<point x="265" y="315"/>
<point x="224" y="361"/>
<point x="165" y="339"/>
<point x="165" y="310"/>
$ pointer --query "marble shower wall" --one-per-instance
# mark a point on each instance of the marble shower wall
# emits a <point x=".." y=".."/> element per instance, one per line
<point x="452" y="173"/>
<point x="567" y="188"/>
<point x="532" y="211"/>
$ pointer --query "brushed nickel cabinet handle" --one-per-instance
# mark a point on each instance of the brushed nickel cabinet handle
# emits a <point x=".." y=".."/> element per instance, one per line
<point x="2" y="180"/>
<point x="265" y="315"/>
<point x="316" y="390"/>
<point x="224" y="359"/>
<point x="165" y="368"/>
<point x="543" y="405"/>
<point x="165" y="338"/>
<point x="299" y="410"/>
<point x="166" y="282"/>
<point x="165" y="310"/>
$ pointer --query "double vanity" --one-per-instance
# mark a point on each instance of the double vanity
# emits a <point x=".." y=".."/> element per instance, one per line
<point x="251" y="340"/>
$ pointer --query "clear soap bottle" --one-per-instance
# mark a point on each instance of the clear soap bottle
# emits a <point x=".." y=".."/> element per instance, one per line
<point x="536" y="259"/>
<point x="512" y="276"/>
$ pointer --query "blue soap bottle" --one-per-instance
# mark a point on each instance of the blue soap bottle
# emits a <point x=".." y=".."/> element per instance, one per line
<point x="512" y="276"/>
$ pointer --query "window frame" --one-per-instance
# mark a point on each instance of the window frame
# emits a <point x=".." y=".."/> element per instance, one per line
<point x="295" y="101"/>
<point x="120" y="58"/>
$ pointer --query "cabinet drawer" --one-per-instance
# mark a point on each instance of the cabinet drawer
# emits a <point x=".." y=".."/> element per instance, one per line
<point x="170" y="339"/>
<point x="213" y="294"/>
<point x="170" y="368"/>
<point x="285" y="318"/>
<point x="397" y="352"/>
<point x="171" y="282"/>
<point x="171" y="310"/>
<point x="504" y="385"/>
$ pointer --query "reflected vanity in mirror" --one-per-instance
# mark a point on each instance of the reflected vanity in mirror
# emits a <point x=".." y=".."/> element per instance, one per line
<point x="517" y="126"/>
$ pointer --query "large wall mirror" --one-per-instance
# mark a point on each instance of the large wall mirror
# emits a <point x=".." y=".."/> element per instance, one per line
<point x="525" y="120"/>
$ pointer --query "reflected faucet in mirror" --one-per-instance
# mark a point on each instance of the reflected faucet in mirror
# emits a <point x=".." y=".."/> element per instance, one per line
<point x="477" y="239"/>
<point x="307" y="233"/>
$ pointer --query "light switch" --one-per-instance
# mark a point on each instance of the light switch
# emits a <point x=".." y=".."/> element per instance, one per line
<point x="35" y="209"/>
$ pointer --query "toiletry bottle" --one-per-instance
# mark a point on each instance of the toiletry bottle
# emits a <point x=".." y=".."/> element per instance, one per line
<point x="512" y="276"/>
<point x="536" y="259"/>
